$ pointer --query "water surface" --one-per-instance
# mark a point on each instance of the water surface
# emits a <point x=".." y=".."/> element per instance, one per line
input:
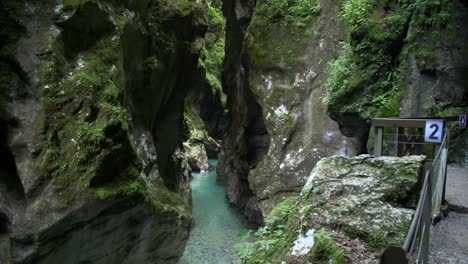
<point x="216" y="225"/>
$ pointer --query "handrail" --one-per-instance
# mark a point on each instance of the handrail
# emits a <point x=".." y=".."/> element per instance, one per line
<point x="414" y="224"/>
<point x="432" y="193"/>
<point x="427" y="209"/>
<point x="440" y="150"/>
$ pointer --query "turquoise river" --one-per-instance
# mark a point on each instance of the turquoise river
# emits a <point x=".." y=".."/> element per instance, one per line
<point x="216" y="225"/>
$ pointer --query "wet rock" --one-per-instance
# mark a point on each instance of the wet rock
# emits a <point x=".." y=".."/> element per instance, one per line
<point x="244" y="113"/>
<point x="197" y="158"/>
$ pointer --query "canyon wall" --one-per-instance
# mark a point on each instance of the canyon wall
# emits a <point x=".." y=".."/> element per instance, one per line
<point x="274" y="75"/>
<point x="92" y="124"/>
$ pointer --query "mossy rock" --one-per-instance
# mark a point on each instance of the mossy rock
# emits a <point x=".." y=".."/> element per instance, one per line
<point x="349" y="211"/>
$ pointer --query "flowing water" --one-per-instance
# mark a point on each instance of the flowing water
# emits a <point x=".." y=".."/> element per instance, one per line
<point x="216" y="225"/>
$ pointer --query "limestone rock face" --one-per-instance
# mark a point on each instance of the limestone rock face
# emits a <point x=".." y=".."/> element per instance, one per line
<point x="404" y="60"/>
<point x="349" y="210"/>
<point x="91" y="128"/>
<point x="246" y="139"/>
<point x="365" y="195"/>
<point x="274" y="77"/>
<point x="195" y="148"/>
<point x="288" y="69"/>
<point x="197" y="158"/>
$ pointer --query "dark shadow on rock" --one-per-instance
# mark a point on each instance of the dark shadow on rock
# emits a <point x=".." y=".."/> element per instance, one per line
<point x="84" y="29"/>
<point x="10" y="183"/>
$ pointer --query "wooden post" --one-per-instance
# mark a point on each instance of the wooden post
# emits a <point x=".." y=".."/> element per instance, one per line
<point x="378" y="141"/>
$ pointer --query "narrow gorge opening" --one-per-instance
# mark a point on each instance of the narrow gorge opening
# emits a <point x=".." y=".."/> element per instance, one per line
<point x="223" y="205"/>
<point x="215" y="225"/>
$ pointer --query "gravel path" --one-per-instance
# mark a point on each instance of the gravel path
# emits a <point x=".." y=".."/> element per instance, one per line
<point x="457" y="189"/>
<point x="449" y="240"/>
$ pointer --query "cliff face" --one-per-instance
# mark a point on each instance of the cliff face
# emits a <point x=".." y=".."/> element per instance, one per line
<point x="245" y="114"/>
<point x="91" y="118"/>
<point x="437" y="76"/>
<point x="274" y="75"/>
<point x="402" y="59"/>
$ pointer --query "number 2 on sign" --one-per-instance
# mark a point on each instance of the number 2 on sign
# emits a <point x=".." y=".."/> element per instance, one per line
<point x="434" y="129"/>
<point x="433" y="135"/>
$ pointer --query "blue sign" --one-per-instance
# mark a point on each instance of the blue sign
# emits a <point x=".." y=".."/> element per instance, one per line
<point x="462" y="121"/>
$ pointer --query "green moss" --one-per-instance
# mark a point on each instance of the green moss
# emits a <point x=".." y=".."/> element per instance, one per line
<point x="74" y="3"/>
<point x="326" y="250"/>
<point x="279" y="19"/>
<point x="369" y="75"/>
<point x="124" y="188"/>
<point x="212" y="54"/>
<point x="297" y="13"/>
<point x="281" y="211"/>
<point x="193" y="121"/>
<point x="171" y="202"/>
<point x="84" y="124"/>
<point x="180" y="7"/>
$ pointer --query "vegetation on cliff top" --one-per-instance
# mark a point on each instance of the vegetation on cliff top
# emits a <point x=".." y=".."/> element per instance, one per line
<point x="282" y="19"/>
<point x="212" y="54"/>
<point x="368" y="77"/>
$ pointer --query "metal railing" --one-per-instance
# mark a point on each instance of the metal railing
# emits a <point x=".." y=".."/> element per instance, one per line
<point x="432" y="194"/>
<point x="430" y="200"/>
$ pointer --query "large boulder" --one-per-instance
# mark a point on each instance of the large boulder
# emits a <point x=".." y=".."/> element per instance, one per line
<point x="348" y="212"/>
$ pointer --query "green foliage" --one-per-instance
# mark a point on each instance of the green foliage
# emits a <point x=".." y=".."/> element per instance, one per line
<point x="326" y="250"/>
<point x="295" y="12"/>
<point x="274" y="238"/>
<point x="244" y="234"/>
<point x="355" y="13"/>
<point x="432" y="13"/>
<point x="244" y="250"/>
<point x="212" y="54"/>
<point x="342" y="75"/>
<point x="369" y="75"/>
<point x="364" y="78"/>
<point x="84" y="123"/>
